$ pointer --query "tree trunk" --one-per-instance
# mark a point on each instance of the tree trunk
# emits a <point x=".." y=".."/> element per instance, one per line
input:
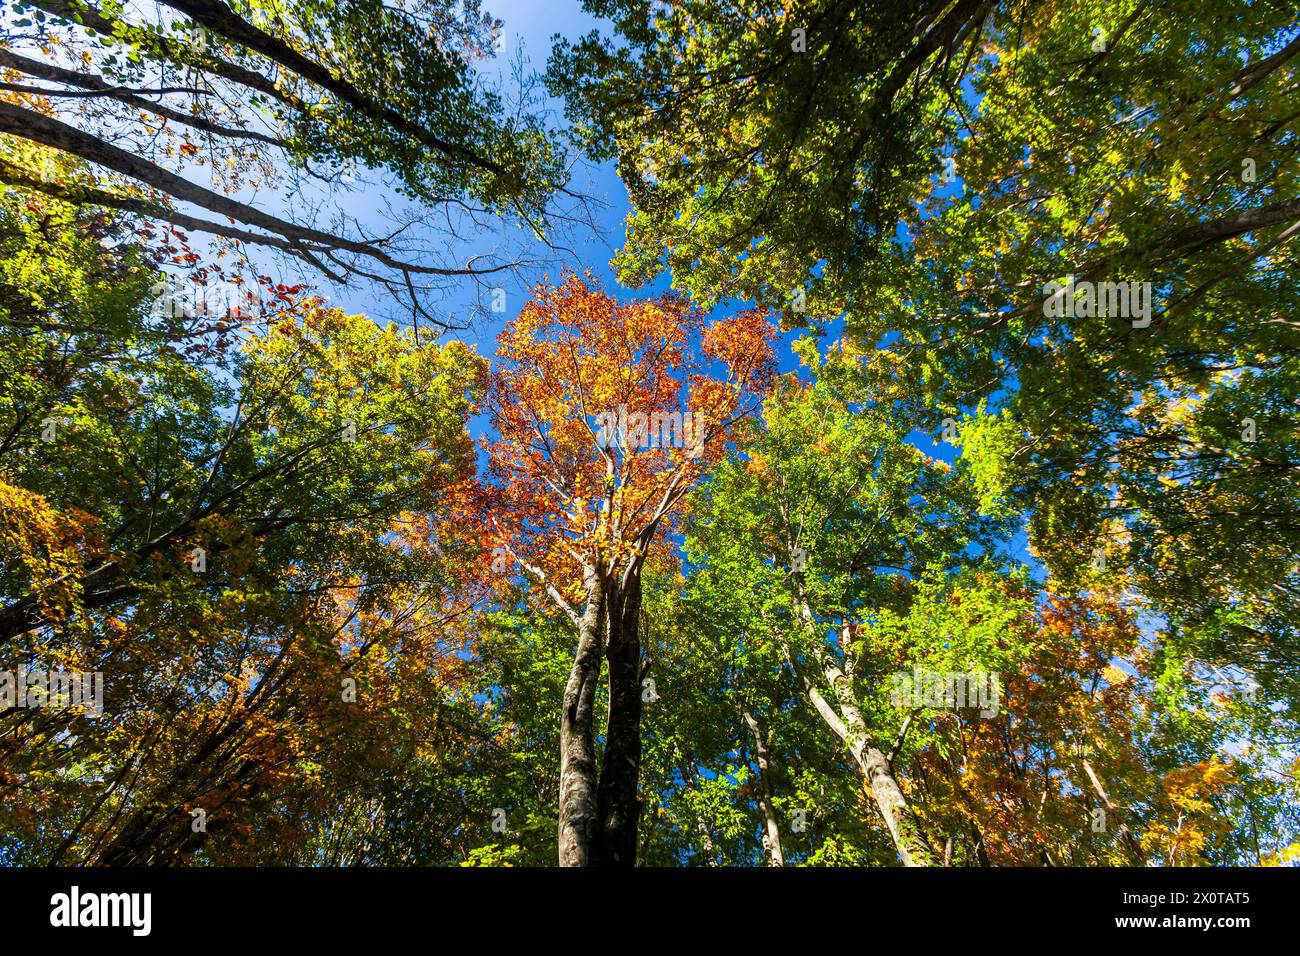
<point x="688" y="771"/>
<point x="909" y="839"/>
<point x="771" y="827"/>
<point x="577" y="809"/>
<point x="851" y="728"/>
<point x="618" y="805"/>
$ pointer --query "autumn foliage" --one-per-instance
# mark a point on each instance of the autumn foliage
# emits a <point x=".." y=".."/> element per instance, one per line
<point x="651" y="577"/>
<point x="561" y="493"/>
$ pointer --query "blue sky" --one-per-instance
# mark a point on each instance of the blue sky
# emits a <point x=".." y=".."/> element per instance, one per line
<point x="529" y="29"/>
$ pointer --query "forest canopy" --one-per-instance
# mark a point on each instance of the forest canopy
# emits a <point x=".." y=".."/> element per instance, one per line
<point x="918" y="484"/>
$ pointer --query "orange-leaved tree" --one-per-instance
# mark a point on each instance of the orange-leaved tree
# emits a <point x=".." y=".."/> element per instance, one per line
<point x="604" y="417"/>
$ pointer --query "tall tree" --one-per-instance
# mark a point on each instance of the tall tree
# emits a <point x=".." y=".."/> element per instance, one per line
<point x="604" y="416"/>
<point x="827" y="522"/>
<point x="833" y="549"/>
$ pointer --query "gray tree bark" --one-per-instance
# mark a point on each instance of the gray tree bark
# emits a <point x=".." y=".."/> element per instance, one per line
<point x="771" y="825"/>
<point x="577" y="809"/>
<point x="848" y="724"/>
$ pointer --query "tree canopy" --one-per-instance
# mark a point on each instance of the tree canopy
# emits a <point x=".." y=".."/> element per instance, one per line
<point x="921" y="489"/>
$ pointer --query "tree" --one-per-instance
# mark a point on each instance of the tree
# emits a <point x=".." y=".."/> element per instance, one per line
<point x="256" y="93"/>
<point x="768" y="147"/>
<point x="1088" y="220"/>
<point x="834" y="550"/>
<point x="604" y="416"/>
<point x="239" y="543"/>
<point x="827" y="524"/>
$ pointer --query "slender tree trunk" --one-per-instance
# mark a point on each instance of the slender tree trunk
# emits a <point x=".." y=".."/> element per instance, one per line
<point x="701" y="825"/>
<point x="618" y="804"/>
<point x="909" y="839"/>
<point x="1115" y="812"/>
<point x="771" y="827"/>
<point x="577" y="809"/>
